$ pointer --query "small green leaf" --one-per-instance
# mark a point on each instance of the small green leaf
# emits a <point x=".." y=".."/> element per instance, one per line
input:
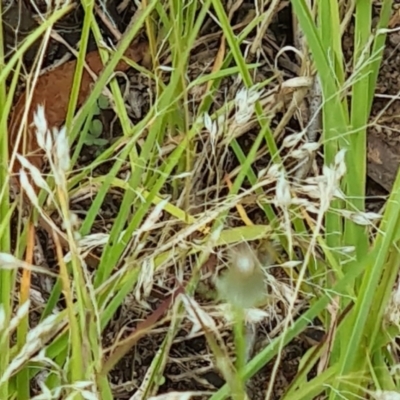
<point x="100" y="142"/>
<point x="161" y="380"/>
<point x="96" y="109"/>
<point x="89" y="139"/>
<point x="96" y="128"/>
<point x="103" y="102"/>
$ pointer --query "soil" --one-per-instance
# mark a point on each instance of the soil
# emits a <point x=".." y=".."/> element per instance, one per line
<point x="190" y="366"/>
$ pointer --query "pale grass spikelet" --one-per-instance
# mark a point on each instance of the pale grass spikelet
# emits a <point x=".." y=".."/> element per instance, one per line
<point x="325" y="186"/>
<point x="94" y="240"/>
<point x="62" y="157"/>
<point x="292" y="140"/>
<point x="298" y="201"/>
<point x="394" y="369"/>
<point x="71" y="222"/>
<point x="220" y="124"/>
<point x="48" y="144"/>
<point x="35" y="173"/>
<point x="20" y="359"/>
<point x="329" y="175"/>
<point x="30" y="192"/>
<point x="87" y="243"/>
<point x="283" y="291"/>
<point x="328" y="186"/>
<point x="340" y="164"/>
<point x="282" y="196"/>
<point x="312" y="208"/>
<point x="8" y="261"/>
<point x="291" y="264"/>
<point x="256" y="315"/>
<point x="311" y="147"/>
<point x="153" y="217"/>
<point x="297" y="82"/>
<point x="166" y="68"/>
<point x="338" y="194"/>
<point x="42" y="358"/>
<point x="274" y="171"/>
<point x="212" y="128"/>
<point x="46" y="393"/>
<point x="39" y="119"/>
<point x="50" y="395"/>
<point x="312" y="191"/>
<point x="183" y="175"/>
<point x="145" y="279"/>
<point x="251" y="315"/>
<point x="298" y="154"/>
<point x="19" y="315"/>
<point x="215" y="234"/>
<point x="348" y="249"/>
<point x="175" y="396"/>
<point x="262" y="173"/>
<point x="45" y="327"/>
<point x="74" y="220"/>
<point x="199" y="318"/>
<point x="340" y="157"/>
<point x="89" y="395"/>
<point x="245" y="103"/>
<point x="386" y="395"/>
<point x="361" y="218"/>
<point x="305" y="150"/>
<point x="2" y="317"/>
<point x="23" y="310"/>
<point x="210" y="125"/>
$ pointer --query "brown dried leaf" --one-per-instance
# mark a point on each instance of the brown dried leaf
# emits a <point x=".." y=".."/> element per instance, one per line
<point x="53" y="91"/>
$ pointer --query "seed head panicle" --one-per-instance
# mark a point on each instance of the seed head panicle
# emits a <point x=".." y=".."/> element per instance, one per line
<point x="245" y="103"/>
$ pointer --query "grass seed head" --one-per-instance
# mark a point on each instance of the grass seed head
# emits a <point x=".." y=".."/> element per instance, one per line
<point x="245" y="104"/>
<point x="30" y="192"/>
<point x="175" y="396"/>
<point x="386" y="395"/>
<point x="39" y="120"/>
<point x="292" y="140"/>
<point x="35" y="173"/>
<point x="283" y="196"/>
<point x="62" y="157"/>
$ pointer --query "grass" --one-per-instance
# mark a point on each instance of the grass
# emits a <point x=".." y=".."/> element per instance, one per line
<point x="155" y="236"/>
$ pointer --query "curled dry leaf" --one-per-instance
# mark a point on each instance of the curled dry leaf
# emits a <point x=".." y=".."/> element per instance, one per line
<point x="52" y="90"/>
